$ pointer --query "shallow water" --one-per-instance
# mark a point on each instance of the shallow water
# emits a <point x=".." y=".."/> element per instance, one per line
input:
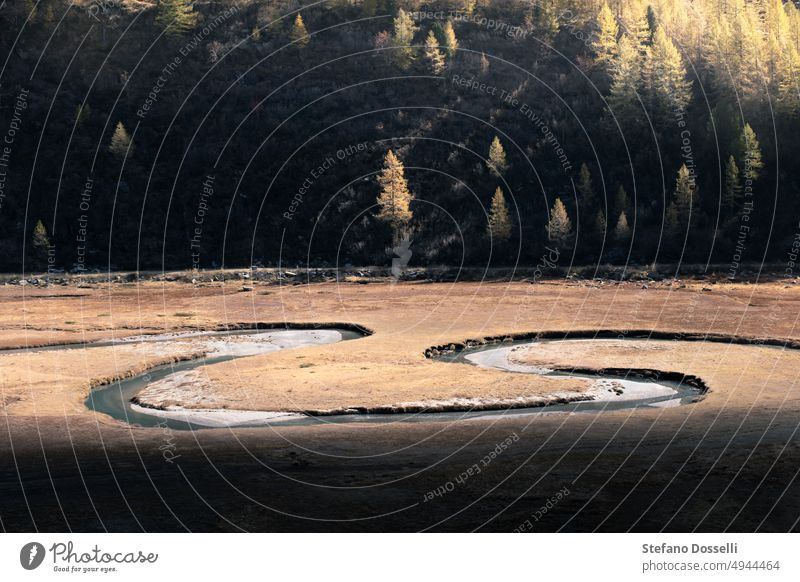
<point x="115" y="399"/>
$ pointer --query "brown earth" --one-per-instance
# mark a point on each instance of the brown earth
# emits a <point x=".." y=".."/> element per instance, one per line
<point x="729" y="461"/>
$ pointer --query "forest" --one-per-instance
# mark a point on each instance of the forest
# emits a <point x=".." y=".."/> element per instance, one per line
<point x="237" y="133"/>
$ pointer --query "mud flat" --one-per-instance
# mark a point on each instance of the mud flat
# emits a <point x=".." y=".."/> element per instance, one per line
<point x="728" y="462"/>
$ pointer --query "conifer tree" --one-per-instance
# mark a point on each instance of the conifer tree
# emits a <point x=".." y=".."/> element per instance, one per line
<point x="403" y="38"/>
<point x="449" y="39"/>
<point x="484" y="64"/>
<point x="585" y="190"/>
<point x="621" y="202"/>
<point x="395" y="198"/>
<point x="299" y="34"/>
<point x="178" y="16"/>
<point x="622" y="232"/>
<point x="433" y="54"/>
<point x="684" y="197"/>
<point x="750" y="151"/>
<point x="626" y="76"/>
<point x="41" y="243"/>
<point x="666" y="75"/>
<point x="120" y="142"/>
<point x="732" y="192"/>
<point x="559" y="227"/>
<point x="604" y="42"/>
<point x="497" y="163"/>
<point x="499" y="227"/>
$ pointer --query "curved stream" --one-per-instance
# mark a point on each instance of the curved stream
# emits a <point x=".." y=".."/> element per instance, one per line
<point x="609" y="391"/>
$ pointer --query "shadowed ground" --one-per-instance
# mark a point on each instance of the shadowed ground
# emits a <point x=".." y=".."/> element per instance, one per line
<point x="727" y="462"/>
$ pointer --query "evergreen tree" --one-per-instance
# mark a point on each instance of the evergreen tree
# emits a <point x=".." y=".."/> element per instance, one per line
<point x="120" y="142"/>
<point x="585" y="190"/>
<point x="178" y="16"/>
<point x="404" y="31"/>
<point x="299" y="34"/>
<point x="750" y="151"/>
<point x="497" y="163"/>
<point x="559" y="227"/>
<point x="731" y="195"/>
<point x="621" y="202"/>
<point x="41" y="243"/>
<point x="499" y="227"/>
<point x="484" y="64"/>
<point x="622" y="231"/>
<point x="626" y="76"/>
<point x="684" y="197"/>
<point x="395" y="198"/>
<point x="449" y="39"/>
<point x="666" y="75"/>
<point x="604" y="42"/>
<point x="433" y="55"/>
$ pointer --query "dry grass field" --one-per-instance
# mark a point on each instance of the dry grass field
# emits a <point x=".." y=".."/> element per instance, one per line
<point x="727" y="462"/>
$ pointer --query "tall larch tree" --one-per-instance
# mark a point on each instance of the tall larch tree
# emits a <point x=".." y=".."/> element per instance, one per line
<point x="299" y="34"/>
<point x="449" y="39"/>
<point x="626" y="77"/>
<point x="622" y="232"/>
<point x="433" y="55"/>
<point x="685" y="196"/>
<point x="120" y="142"/>
<point x="586" y="195"/>
<point x="750" y="153"/>
<point x="666" y="75"/>
<point x="732" y="192"/>
<point x="559" y="226"/>
<point x="604" y="41"/>
<point x="41" y="243"/>
<point x="497" y="163"/>
<point x="394" y="200"/>
<point x="178" y="16"/>
<point x="621" y="202"/>
<point x="499" y="227"/>
<point x="403" y="38"/>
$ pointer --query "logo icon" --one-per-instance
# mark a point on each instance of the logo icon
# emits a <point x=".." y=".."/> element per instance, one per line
<point x="31" y="555"/>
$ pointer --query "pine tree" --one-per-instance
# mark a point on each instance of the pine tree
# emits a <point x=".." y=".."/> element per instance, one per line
<point x="622" y="232"/>
<point x="585" y="190"/>
<point x="626" y="77"/>
<point x="41" y="242"/>
<point x="497" y="163"/>
<point x="666" y="75"/>
<point x="684" y="197"/>
<point x="299" y="34"/>
<point x="404" y="31"/>
<point x="621" y="202"/>
<point x="559" y="227"/>
<point x="731" y="195"/>
<point x="484" y="64"/>
<point x="604" y="42"/>
<point x="750" y="151"/>
<point x="499" y="227"/>
<point x="433" y="55"/>
<point x="449" y="39"/>
<point x="120" y="142"/>
<point x="178" y="16"/>
<point x="395" y="198"/>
